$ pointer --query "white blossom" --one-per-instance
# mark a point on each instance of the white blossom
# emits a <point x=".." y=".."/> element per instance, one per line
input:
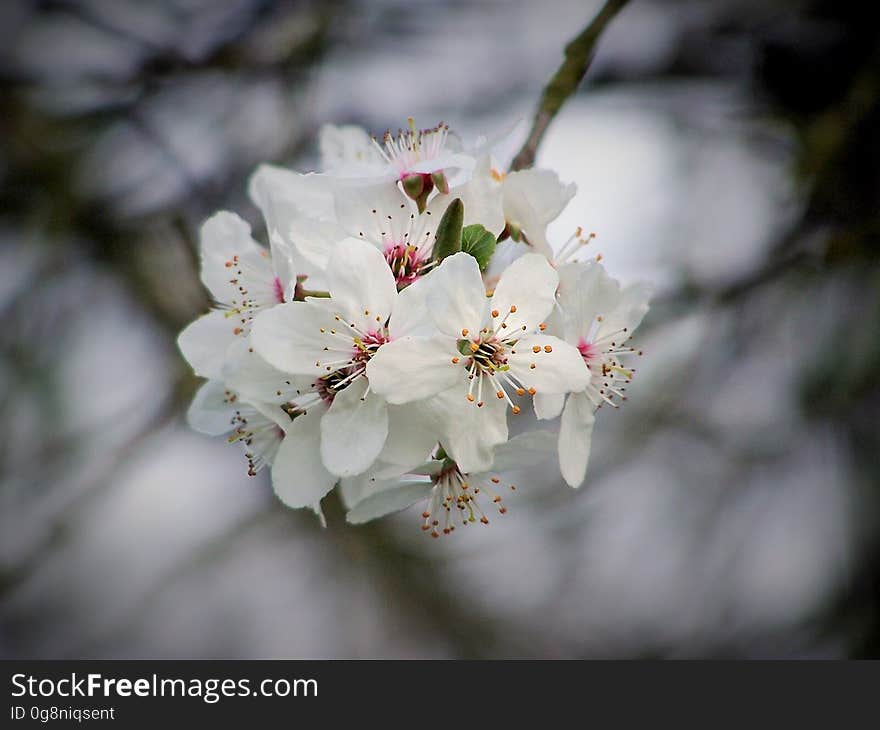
<point x="347" y="148"/>
<point x="218" y="411"/>
<point x="243" y="279"/>
<point x="598" y="318"/>
<point x="332" y="341"/>
<point x="451" y="495"/>
<point x="532" y="200"/>
<point x="487" y="350"/>
<point x="348" y="352"/>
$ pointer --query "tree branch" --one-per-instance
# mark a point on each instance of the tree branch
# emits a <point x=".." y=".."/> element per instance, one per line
<point x="578" y="55"/>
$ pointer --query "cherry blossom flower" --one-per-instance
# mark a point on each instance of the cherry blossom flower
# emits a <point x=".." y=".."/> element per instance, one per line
<point x="333" y="340"/>
<point x="243" y="279"/>
<point x="287" y="199"/>
<point x="380" y="215"/>
<point x="532" y="200"/>
<point x="486" y="352"/>
<point x="347" y="148"/>
<point x="598" y="318"/>
<point x="421" y="160"/>
<point x="218" y="411"/>
<point x="452" y="496"/>
<point x="256" y="407"/>
<point x="363" y="348"/>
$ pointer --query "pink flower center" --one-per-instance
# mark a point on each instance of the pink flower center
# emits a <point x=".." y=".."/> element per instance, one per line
<point x="278" y="288"/>
<point x="366" y="347"/>
<point x="406" y="263"/>
<point x="324" y="388"/>
<point x="587" y="349"/>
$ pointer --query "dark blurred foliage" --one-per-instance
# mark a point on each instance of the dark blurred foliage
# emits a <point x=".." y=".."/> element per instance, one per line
<point x="116" y="146"/>
<point x="821" y="72"/>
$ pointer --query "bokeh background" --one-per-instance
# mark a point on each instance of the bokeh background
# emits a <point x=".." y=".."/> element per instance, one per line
<point x="726" y="151"/>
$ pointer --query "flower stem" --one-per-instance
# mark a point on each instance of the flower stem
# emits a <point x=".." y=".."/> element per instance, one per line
<point x="301" y="294"/>
<point x="578" y="55"/>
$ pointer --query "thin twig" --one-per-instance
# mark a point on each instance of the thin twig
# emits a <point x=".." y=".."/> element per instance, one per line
<point x="578" y="55"/>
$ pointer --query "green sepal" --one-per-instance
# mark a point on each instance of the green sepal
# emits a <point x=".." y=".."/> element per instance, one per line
<point x="438" y="177"/>
<point x="479" y="243"/>
<point x="413" y="185"/>
<point x="447" y="241"/>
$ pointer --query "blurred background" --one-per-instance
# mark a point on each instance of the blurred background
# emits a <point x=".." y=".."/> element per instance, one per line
<point x="726" y="152"/>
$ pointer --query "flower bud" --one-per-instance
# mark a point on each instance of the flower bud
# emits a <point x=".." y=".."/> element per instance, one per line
<point x="447" y="241"/>
<point x="438" y="177"/>
<point x="413" y="185"/>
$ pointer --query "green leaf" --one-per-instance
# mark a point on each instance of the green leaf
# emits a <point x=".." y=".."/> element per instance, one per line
<point x="448" y="238"/>
<point x="479" y="243"/>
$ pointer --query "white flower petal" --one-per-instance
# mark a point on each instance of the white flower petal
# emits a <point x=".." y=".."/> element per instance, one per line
<point x="345" y="145"/>
<point x="205" y="343"/>
<point x="270" y="411"/>
<point x="446" y="160"/>
<point x="532" y="199"/>
<point x="482" y="198"/>
<point x="575" y="435"/>
<point x="468" y="434"/>
<point x="281" y="194"/>
<point x="410" y="315"/>
<point x="529" y="285"/>
<point x="286" y="264"/>
<point x="411" y="436"/>
<point x="393" y="499"/>
<point x="585" y="292"/>
<point x="413" y="368"/>
<point x="353" y="431"/>
<point x="505" y="254"/>
<point x="253" y="378"/>
<point x="299" y="477"/>
<point x="297" y="209"/>
<point x="315" y="240"/>
<point x="353" y="489"/>
<point x="362" y="287"/>
<point x="558" y="366"/>
<point x="524" y="450"/>
<point x="319" y="513"/>
<point x="376" y="212"/>
<point x="377" y="478"/>
<point x="429" y="468"/>
<point x="211" y="412"/>
<point x="631" y="308"/>
<point x="456" y="295"/>
<point x="289" y="337"/>
<point x="548" y="405"/>
<point x="224" y="236"/>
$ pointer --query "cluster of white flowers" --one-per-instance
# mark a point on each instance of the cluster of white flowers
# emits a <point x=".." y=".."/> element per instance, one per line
<point x="407" y="305"/>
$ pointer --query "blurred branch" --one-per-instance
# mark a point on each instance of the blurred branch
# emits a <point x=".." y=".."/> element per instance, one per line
<point x="578" y="55"/>
<point x="58" y="530"/>
<point x="407" y="575"/>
